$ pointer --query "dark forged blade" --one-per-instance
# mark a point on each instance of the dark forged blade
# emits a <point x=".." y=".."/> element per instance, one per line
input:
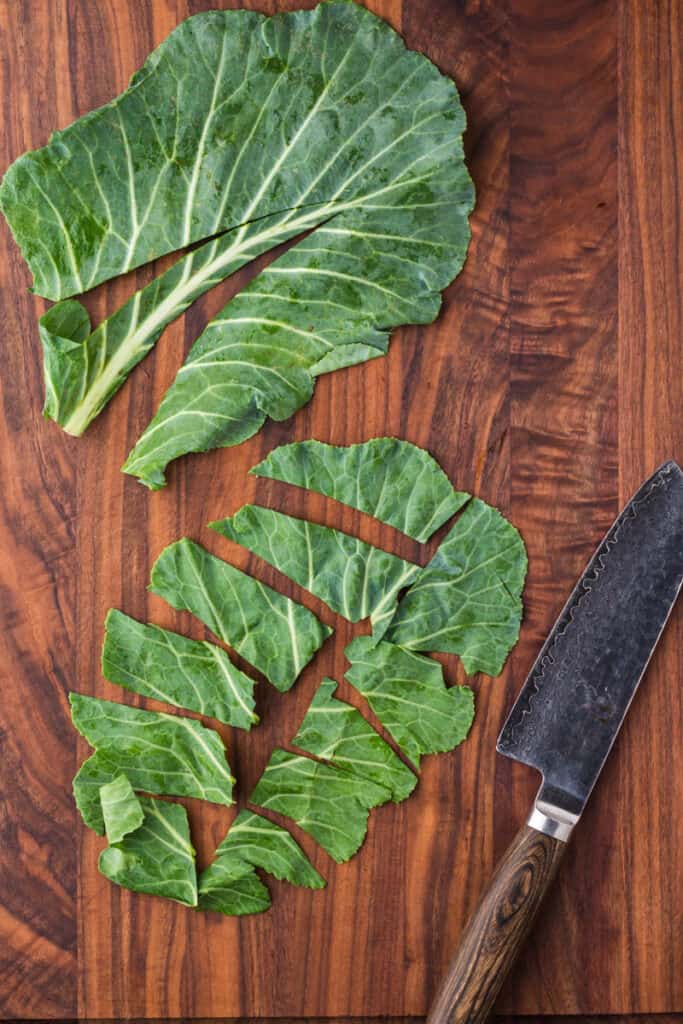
<point x="571" y="707"/>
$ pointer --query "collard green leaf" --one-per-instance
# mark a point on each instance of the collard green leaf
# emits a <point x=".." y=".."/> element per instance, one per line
<point x="249" y="125"/>
<point x="231" y="886"/>
<point x="408" y="694"/>
<point x="157" y="858"/>
<point x="331" y="805"/>
<point x="84" y="368"/>
<point x="258" y="842"/>
<point x="392" y="480"/>
<point x="265" y="845"/>
<point x="163" y="754"/>
<point x="188" y="673"/>
<point x="274" y="634"/>
<point x="121" y="809"/>
<point x="467" y="600"/>
<point x="338" y="733"/>
<point x="353" y="578"/>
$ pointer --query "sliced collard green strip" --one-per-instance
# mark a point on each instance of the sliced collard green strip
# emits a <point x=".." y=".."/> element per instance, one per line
<point x="263" y="844"/>
<point x="353" y="578"/>
<point x="231" y="886"/>
<point x="408" y="694"/>
<point x="273" y="633"/>
<point x="121" y="809"/>
<point x="467" y="600"/>
<point x="331" y="805"/>
<point x="84" y="368"/>
<point x="392" y="480"/>
<point x="157" y="858"/>
<point x="160" y="753"/>
<point x="190" y="674"/>
<point x="338" y="733"/>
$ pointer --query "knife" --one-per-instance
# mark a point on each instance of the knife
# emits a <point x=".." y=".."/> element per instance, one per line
<point x="564" y="722"/>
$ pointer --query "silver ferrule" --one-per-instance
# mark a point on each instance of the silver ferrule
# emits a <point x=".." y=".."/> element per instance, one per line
<point x="552" y="821"/>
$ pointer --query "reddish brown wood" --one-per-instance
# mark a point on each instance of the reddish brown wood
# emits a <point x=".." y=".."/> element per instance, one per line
<point x="549" y="385"/>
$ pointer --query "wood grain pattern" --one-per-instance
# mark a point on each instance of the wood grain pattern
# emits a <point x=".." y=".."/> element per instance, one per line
<point x="549" y="385"/>
<point x="495" y="933"/>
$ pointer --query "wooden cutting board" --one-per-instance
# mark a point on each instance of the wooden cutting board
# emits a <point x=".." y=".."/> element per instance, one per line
<point x="550" y="386"/>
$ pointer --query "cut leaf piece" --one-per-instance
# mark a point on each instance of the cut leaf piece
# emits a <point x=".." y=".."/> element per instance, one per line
<point x="188" y="673"/>
<point x="273" y="633"/>
<point x="121" y="809"/>
<point x="265" y="845"/>
<point x="84" y="368"/>
<point x="338" y="733"/>
<point x="467" y="600"/>
<point x="331" y="805"/>
<point x="353" y="578"/>
<point x="408" y="694"/>
<point x="158" y="857"/>
<point x="392" y="480"/>
<point x="231" y="886"/>
<point x="160" y="753"/>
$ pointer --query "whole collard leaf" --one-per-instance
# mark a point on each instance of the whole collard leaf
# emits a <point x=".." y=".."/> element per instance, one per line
<point x="467" y="600"/>
<point x="392" y="480"/>
<point x="273" y="633"/>
<point x="261" y="127"/>
<point x="353" y="578"/>
<point x="156" y="858"/>
<point x="190" y="674"/>
<point x="159" y="753"/>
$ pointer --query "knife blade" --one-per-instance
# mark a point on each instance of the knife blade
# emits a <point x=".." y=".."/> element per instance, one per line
<point x="564" y="723"/>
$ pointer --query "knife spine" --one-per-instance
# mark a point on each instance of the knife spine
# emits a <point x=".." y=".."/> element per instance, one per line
<point x="596" y="567"/>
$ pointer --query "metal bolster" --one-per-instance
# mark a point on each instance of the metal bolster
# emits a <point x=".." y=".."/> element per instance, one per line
<point x="551" y="819"/>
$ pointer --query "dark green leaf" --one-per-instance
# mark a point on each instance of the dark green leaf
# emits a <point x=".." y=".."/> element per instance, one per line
<point x="353" y="578"/>
<point x="408" y="694"/>
<point x="331" y="805"/>
<point x="163" y="754"/>
<point x="394" y="481"/>
<point x="338" y="733"/>
<point x="274" y="634"/>
<point x="121" y="809"/>
<point x="188" y="673"/>
<point x="468" y="599"/>
<point x="231" y="886"/>
<point x="253" y="841"/>
<point x="158" y="857"/>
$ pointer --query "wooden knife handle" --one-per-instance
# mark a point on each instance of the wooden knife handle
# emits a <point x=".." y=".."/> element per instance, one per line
<point x="495" y="933"/>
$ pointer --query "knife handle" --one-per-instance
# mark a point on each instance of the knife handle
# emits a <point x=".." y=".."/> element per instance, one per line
<point x="496" y="931"/>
